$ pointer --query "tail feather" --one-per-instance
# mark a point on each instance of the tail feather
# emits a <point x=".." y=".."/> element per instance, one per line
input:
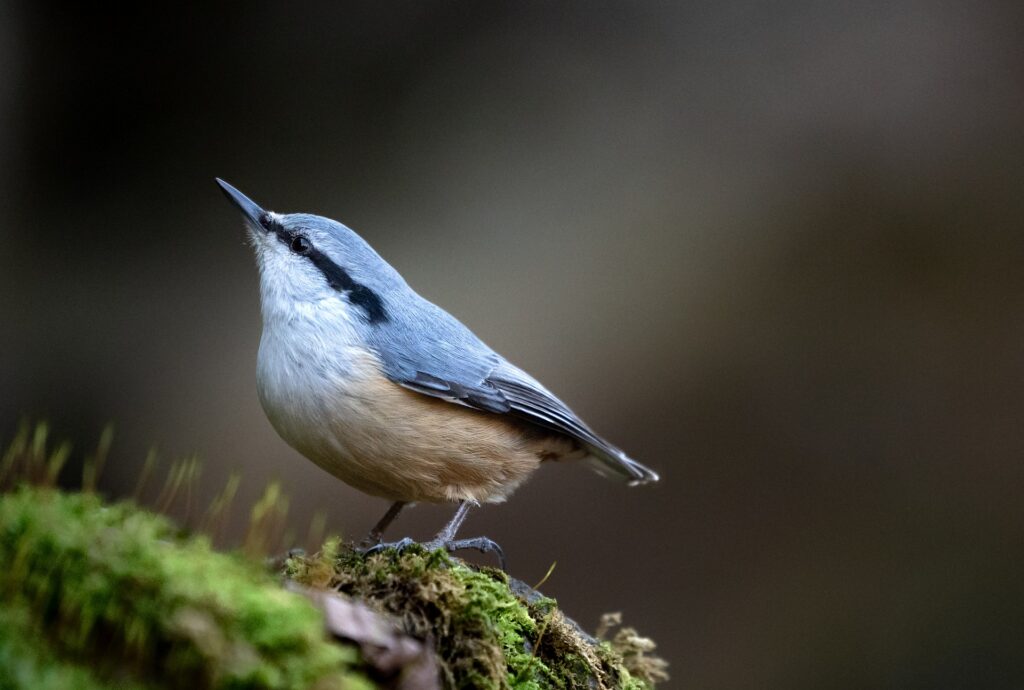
<point x="614" y="464"/>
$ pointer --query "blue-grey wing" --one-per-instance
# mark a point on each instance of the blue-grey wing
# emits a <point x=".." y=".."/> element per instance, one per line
<point x="426" y="349"/>
<point x="531" y="401"/>
<point x="444" y="359"/>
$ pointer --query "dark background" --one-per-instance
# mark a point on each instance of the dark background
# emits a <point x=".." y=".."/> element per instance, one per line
<point x="771" y="249"/>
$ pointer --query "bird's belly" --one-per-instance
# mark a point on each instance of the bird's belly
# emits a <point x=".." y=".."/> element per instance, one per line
<point x="395" y="443"/>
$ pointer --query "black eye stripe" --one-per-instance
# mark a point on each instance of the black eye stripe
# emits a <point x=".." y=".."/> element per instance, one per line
<point x="358" y="294"/>
<point x="337" y="277"/>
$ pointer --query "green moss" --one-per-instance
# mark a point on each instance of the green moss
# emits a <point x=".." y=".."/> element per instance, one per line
<point x="485" y="635"/>
<point x="95" y="595"/>
<point x="27" y="661"/>
<point x="118" y="588"/>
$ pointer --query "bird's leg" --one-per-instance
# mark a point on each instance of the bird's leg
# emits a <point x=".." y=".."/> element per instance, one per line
<point x="373" y="544"/>
<point x="449" y="531"/>
<point x="376" y="534"/>
<point x="446" y="540"/>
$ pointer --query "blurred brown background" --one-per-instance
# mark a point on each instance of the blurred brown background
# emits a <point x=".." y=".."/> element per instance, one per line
<point x="771" y="249"/>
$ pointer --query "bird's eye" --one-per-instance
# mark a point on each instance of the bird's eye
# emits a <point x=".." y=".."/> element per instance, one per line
<point x="300" y="245"/>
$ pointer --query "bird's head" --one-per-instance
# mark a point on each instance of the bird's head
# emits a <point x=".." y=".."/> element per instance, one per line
<point x="315" y="265"/>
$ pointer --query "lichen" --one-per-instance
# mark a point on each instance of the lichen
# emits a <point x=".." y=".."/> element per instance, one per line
<point x="484" y="634"/>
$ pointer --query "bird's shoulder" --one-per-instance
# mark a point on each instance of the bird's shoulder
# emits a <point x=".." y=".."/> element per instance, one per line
<point x="424" y="347"/>
<point x="430" y="351"/>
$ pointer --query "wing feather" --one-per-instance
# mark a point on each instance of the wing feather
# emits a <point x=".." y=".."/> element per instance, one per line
<point x="508" y="390"/>
<point x="427" y="350"/>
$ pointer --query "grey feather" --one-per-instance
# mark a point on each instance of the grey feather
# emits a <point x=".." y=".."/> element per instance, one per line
<point x="426" y="349"/>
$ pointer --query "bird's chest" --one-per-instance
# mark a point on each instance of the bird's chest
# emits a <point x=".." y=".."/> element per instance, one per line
<point x="340" y="411"/>
<point x="310" y="384"/>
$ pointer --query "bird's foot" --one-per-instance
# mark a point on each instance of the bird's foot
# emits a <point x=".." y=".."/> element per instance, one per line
<point x="481" y="544"/>
<point x="382" y="546"/>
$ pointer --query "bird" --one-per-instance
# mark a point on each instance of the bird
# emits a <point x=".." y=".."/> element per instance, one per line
<point x="389" y="392"/>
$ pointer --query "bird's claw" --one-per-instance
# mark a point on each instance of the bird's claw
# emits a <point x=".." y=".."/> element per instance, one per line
<point x="481" y="544"/>
<point x="380" y="547"/>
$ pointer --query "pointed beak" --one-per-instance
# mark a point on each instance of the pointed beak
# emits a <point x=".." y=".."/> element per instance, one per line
<point x="249" y="208"/>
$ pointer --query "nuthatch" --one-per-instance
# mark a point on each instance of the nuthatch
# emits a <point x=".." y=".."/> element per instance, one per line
<point x="390" y="393"/>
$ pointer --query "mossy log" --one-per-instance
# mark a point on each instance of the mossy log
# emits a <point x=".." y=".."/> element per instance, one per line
<point x="487" y="630"/>
<point x="111" y="595"/>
